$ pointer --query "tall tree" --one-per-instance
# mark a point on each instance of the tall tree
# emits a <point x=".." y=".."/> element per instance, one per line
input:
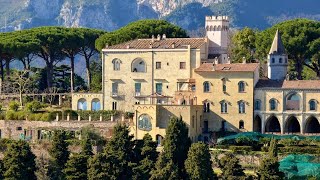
<point x="148" y="157"/>
<point x="88" y="49"/>
<point x="76" y="167"/>
<point x="243" y="45"/>
<point x="97" y="167"/>
<point x="59" y="153"/>
<point x="230" y="167"/>
<point x="19" y="162"/>
<point x="198" y="164"/>
<point x="269" y="167"/>
<point x="175" y="149"/>
<point x="301" y="40"/>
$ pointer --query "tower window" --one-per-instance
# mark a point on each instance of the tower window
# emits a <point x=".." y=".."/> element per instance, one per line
<point x="241" y="124"/>
<point x="206" y="86"/>
<point x="241" y="86"/>
<point x="280" y="60"/>
<point x="273" y="60"/>
<point x="242" y="107"/>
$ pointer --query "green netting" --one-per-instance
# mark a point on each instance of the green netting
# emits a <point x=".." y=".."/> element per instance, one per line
<point x="300" y="166"/>
<point x="255" y="136"/>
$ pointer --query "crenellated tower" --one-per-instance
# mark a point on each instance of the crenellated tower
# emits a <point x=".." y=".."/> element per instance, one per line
<point x="277" y="59"/>
<point x="217" y="31"/>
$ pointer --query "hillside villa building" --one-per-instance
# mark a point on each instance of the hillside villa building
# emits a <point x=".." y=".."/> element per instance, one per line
<point x="194" y="78"/>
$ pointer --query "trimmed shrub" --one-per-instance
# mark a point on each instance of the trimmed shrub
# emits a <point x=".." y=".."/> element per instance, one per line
<point x="14" y="106"/>
<point x="299" y="150"/>
<point x="33" y="106"/>
<point x="240" y="148"/>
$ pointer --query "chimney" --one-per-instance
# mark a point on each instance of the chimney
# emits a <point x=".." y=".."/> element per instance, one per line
<point x="244" y="60"/>
<point x="158" y="37"/>
<point x="164" y="36"/>
<point x="152" y="38"/>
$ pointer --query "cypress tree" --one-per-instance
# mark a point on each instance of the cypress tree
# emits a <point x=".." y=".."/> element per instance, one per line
<point x="176" y="146"/>
<point x="76" y="167"/>
<point x="19" y="162"/>
<point x="269" y="167"/>
<point x="148" y="156"/>
<point x="198" y="164"/>
<point x="59" y="154"/>
<point x="87" y="147"/>
<point x="230" y="167"/>
<point x="97" y="167"/>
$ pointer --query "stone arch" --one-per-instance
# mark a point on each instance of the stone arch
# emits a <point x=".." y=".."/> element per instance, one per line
<point x="214" y="28"/>
<point x="273" y="125"/>
<point x="219" y="28"/>
<point x="95" y="104"/>
<point x="82" y="104"/>
<point x="211" y="28"/>
<point x="312" y="125"/>
<point x="159" y="139"/>
<point x="207" y="28"/>
<point x="292" y="125"/>
<point x="257" y="124"/>
<point x="144" y="122"/>
<point x="293" y="101"/>
<point x="138" y="65"/>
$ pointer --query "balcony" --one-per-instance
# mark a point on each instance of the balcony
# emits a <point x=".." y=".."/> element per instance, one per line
<point x="137" y="94"/>
<point x="114" y="94"/>
<point x="186" y="86"/>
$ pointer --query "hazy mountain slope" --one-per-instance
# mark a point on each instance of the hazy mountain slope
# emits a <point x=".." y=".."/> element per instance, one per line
<point x="112" y="14"/>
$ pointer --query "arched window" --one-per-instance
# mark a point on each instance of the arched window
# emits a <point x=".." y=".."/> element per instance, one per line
<point x="219" y="28"/>
<point x="257" y="105"/>
<point x="138" y="65"/>
<point x="224" y="107"/>
<point x="206" y="86"/>
<point x="116" y="64"/>
<point x="207" y="28"/>
<point x="242" y="107"/>
<point x="159" y="140"/>
<point x="214" y="28"/>
<point x="293" y="102"/>
<point x="95" y="105"/>
<point x="273" y="60"/>
<point x="144" y="123"/>
<point x="241" y="86"/>
<point x="82" y="104"/>
<point x="312" y="105"/>
<point x="280" y="60"/>
<point x="211" y="28"/>
<point x="273" y="104"/>
<point x="241" y="124"/>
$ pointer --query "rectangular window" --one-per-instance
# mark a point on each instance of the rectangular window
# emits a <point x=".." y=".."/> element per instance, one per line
<point x="158" y="65"/>
<point x="159" y="88"/>
<point x="182" y="65"/>
<point x="192" y="122"/>
<point x="114" y="89"/>
<point x="137" y="87"/>
<point x="114" y="105"/>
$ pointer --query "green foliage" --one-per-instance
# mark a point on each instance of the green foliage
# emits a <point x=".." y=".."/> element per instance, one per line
<point x="33" y="106"/>
<point x="96" y="71"/>
<point x="148" y="157"/>
<point x="230" y="167"/>
<point x="91" y="135"/>
<point x="19" y="162"/>
<point x="59" y="154"/>
<point x="243" y="45"/>
<point x="87" y="147"/>
<point x="1" y="107"/>
<point x="198" y="164"/>
<point x="301" y="40"/>
<point x="269" y="167"/>
<point x="14" y="106"/>
<point x="239" y="149"/>
<point x="76" y="167"/>
<point x="299" y="150"/>
<point x="97" y="167"/>
<point x="175" y="149"/>
<point x="243" y="140"/>
<point x="139" y="29"/>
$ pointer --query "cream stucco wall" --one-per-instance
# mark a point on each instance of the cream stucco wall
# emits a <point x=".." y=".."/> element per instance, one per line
<point x="89" y="97"/>
<point x="168" y="75"/>
<point x="283" y="115"/>
<point x="231" y="96"/>
<point x="160" y="116"/>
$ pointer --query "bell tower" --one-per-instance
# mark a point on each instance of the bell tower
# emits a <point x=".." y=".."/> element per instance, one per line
<point x="277" y="59"/>
<point x="217" y="30"/>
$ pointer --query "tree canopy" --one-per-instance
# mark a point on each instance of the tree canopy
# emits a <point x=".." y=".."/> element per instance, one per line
<point x="140" y="29"/>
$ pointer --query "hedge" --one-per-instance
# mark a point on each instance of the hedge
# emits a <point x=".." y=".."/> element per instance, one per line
<point x="240" y="148"/>
<point x="299" y="150"/>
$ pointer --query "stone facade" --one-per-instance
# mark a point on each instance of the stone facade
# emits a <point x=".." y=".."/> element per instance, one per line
<point x="32" y="130"/>
<point x="87" y="101"/>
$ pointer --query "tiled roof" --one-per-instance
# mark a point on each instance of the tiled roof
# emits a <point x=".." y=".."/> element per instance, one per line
<point x="293" y="84"/>
<point x="236" y="67"/>
<point x="167" y="43"/>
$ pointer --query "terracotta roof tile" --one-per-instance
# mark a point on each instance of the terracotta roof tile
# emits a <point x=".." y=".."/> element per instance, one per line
<point x="236" y="67"/>
<point x="293" y="84"/>
<point x="168" y="43"/>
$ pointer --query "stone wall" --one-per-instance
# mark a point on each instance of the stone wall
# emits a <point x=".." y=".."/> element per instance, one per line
<point x="32" y="129"/>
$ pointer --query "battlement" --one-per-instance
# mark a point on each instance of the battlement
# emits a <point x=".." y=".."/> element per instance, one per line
<point x="225" y="18"/>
